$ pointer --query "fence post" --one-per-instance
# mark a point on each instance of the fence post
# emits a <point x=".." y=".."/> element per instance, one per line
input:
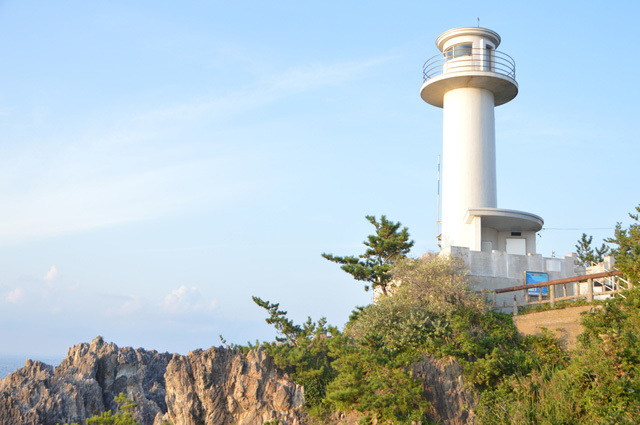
<point x="590" y="290"/>
<point x="515" y="306"/>
<point x="552" y="294"/>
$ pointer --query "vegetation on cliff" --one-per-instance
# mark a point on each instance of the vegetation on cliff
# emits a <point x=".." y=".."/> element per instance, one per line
<point x="366" y="367"/>
<point x="123" y="417"/>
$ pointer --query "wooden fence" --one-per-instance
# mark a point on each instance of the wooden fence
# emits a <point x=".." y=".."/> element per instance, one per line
<point x="588" y="286"/>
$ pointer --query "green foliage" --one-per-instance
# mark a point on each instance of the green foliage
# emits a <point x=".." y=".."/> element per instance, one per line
<point x="278" y="319"/>
<point x="556" y="306"/>
<point x="627" y="253"/>
<point x="376" y="381"/>
<point x="124" y="417"/>
<point x="587" y="254"/>
<point x="303" y="352"/>
<point x="437" y="284"/>
<point x="368" y="367"/>
<point x="599" y="383"/>
<point x="387" y="246"/>
<point x="433" y="311"/>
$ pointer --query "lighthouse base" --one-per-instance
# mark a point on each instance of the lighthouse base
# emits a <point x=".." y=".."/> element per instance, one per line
<point x="499" y="269"/>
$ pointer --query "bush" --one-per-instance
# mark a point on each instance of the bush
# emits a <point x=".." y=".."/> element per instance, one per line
<point x="599" y="383"/>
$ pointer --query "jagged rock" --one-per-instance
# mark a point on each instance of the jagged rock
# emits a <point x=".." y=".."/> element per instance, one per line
<point x="85" y="384"/>
<point x="217" y="386"/>
<point x="220" y="386"/>
<point x="444" y="388"/>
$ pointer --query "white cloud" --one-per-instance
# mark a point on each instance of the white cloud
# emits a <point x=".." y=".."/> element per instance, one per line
<point x="185" y="300"/>
<point x="130" y="306"/>
<point x="51" y="275"/>
<point x="15" y="296"/>
<point x="178" y="300"/>
<point x="213" y="304"/>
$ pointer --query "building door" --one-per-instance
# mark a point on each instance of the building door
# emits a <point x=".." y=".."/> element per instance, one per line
<point x="517" y="246"/>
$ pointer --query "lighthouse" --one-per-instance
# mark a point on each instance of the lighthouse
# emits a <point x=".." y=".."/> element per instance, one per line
<point x="468" y="79"/>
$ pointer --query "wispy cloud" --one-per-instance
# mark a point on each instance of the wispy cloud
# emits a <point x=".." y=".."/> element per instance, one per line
<point x="51" y="275"/>
<point x="138" y="171"/>
<point x="131" y="305"/>
<point x="76" y="199"/>
<point x="186" y="300"/>
<point x="15" y="295"/>
<point x="267" y="90"/>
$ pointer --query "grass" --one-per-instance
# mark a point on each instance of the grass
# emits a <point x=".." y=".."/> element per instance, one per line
<point x="557" y="306"/>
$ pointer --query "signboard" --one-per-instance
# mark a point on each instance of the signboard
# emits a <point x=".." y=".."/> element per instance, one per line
<point x="536" y="277"/>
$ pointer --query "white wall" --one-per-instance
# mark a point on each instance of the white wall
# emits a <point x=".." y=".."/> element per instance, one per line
<point x="469" y="159"/>
<point x="497" y="269"/>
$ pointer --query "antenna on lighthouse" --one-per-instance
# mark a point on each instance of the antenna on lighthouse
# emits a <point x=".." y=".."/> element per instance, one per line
<point x="478" y="22"/>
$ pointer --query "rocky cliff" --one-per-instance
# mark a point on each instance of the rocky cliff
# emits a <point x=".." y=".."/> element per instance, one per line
<point x="217" y="386"/>
<point x="450" y="401"/>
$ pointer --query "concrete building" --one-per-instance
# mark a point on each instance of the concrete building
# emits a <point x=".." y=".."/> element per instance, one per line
<point x="468" y="79"/>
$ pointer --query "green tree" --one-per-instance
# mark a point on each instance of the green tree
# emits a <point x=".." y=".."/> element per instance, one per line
<point x="627" y="253"/>
<point x="278" y="318"/>
<point x="587" y="254"/>
<point x="389" y="245"/>
<point x="303" y="352"/>
<point x="124" y="417"/>
<point x="599" y="383"/>
<point x="439" y="283"/>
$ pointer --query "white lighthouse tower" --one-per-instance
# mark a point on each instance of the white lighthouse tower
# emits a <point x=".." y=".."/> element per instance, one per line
<point x="468" y="79"/>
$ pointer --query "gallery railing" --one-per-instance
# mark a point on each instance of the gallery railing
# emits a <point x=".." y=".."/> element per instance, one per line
<point x="469" y="60"/>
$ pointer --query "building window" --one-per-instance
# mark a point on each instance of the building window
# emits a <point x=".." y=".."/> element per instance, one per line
<point x="458" y="50"/>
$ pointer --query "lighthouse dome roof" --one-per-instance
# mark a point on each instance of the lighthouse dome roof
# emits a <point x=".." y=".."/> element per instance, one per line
<point x="486" y="33"/>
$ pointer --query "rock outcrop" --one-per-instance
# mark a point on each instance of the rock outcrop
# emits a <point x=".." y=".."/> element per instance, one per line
<point x="444" y="388"/>
<point x="220" y="386"/>
<point x="216" y="386"/>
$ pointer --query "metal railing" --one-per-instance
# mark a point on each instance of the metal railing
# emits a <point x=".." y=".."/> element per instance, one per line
<point x="477" y="60"/>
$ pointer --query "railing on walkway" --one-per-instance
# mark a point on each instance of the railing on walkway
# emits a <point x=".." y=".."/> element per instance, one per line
<point x="474" y="60"/>
<point x="588" y="286"/>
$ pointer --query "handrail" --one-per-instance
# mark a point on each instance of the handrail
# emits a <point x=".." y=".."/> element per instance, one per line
<point x="582" y="278"/>
<point x="608" y="284"/>
<point x="479" y="60"/>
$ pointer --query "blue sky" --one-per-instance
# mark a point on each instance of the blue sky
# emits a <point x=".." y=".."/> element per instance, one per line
<point x="162" y="162"/>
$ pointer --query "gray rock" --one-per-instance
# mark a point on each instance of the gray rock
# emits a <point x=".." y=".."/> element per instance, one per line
<point x="451" y="402"/>
<point x="216" y="386"/>
<point x="85" y="384"/>
<point x="221" y="386"/>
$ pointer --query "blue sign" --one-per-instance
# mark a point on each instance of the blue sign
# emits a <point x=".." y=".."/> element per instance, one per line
<point x="536" y="277"/>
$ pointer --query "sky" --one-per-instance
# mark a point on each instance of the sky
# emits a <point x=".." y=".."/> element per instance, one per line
<point x="162" y="162"/>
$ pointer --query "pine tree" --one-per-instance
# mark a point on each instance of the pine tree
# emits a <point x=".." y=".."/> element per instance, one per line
<point x="627" y="253"/>
<point x="279" y="320"/>
<point x="385" y="248"/>
<point x="586" y="254"/>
